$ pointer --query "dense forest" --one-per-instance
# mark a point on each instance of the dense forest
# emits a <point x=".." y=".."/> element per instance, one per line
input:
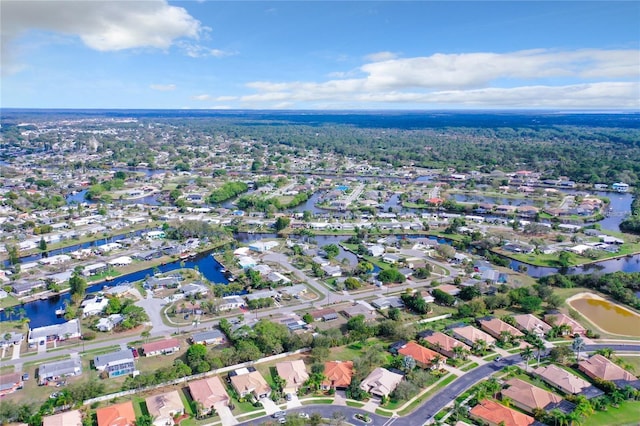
<point x="587" y="148"/>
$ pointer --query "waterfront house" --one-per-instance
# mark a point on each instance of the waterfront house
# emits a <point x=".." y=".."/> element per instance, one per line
<point x="562" y="319"/>
<point x="161" y="347"/>
<point x="294" y="374"/>
<point x="117" y="415"/>
<point x="210" y="394"/>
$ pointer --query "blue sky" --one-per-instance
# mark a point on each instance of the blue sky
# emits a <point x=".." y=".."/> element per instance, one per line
<point x="320" y="55"/>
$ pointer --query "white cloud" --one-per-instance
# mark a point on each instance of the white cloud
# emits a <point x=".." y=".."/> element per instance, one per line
<point x="533" y="78"/>
<point x="203" y="97"/>
<point x="102" y="25"/>
<point x="163" y="87"/>
<point x="381" y="56"/>
<point x="195" y="50"/>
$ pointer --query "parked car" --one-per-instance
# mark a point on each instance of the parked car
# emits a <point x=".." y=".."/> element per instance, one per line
<point x="25" y="377"/>
<point x="278" y="414"/>
<point x="303" y="416"/>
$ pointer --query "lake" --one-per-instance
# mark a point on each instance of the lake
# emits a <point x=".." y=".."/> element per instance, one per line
<point x="609" y="317"/>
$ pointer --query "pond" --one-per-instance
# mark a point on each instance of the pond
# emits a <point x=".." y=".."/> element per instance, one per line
<point x="609" y="317"/>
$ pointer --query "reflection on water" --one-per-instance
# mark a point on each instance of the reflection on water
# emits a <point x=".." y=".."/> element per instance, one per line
<point x="608" y="316"/>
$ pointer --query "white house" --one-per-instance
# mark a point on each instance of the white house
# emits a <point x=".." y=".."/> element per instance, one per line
<point x="620" y="187"/>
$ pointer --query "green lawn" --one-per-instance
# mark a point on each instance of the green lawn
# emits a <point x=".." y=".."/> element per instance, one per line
<point x="442" y="383"/>
<point x="627" y="414"/>
<point x="327" y="401"/>
<point x="634" y="361"/>
<point x="470" y="366"/>
<point x="355" y="404"/>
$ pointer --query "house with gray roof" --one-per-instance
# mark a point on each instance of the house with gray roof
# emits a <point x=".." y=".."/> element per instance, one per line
<point x="209" y="337"/>
<point x="52" y="371"/>
<point x="64" y="331"/>
<point x="115" y="364"/>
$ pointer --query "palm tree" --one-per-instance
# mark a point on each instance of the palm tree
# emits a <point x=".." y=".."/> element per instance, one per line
<point x="145" y="335"/>
<point x="480" y="346"/>
<point x="526" y="355"/>
<point x="8" y="312"/>
<point x="459" y="352"/>
<point x="577" y="345"/>
<point x="539" y="345"/>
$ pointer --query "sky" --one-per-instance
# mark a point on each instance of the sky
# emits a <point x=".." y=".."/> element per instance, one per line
<point x="380" y="55"/>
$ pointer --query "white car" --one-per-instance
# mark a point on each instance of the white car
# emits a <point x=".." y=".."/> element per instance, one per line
<point x="303" y="415"/>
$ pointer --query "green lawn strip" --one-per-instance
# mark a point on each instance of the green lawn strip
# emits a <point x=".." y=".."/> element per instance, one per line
<point x="318" y="401"/>
<point x="625" y="414"/>
<point x="139" y="406"/>
<point x="55" y="358"/>
<point x="355" y="404"/>
<point x="100" y="351"/>
<point x="491" y="357"/>
<point x="442" y="383"/>
<point x="244" y="407"/>
<point x="383" y="412"/>
<point x="514" y="351"/>
<point x="470" y="366"/>
<point x="186" y="401"/>
<point x="634" y="361"/>
<point x="253" y="415"/>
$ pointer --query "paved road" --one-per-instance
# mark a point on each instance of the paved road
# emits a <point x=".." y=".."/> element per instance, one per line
<point x="437" y="402"/>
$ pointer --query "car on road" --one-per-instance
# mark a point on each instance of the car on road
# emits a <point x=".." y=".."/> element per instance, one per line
<point x="278" y="414"/>
<point x="498" y="358"/>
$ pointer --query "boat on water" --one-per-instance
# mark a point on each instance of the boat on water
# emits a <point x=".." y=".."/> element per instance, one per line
<point x="60" y="312"/>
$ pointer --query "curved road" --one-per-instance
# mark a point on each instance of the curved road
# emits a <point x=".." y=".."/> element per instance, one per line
<point x="437" y="402"/>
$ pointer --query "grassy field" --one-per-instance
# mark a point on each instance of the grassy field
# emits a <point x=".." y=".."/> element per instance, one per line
<point x="634" y="361"/>
<point x="627" y="414"/>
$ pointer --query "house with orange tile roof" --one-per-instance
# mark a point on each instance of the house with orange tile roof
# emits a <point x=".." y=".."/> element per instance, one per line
<point x="442" y="343"/>
<point x="425" y="357"/>
<point x="294" y="374"/>
<point x="600" y="367"/>
<point x="562" y="319"/>
<point x="495" y="414"/>
<point x="495" y="327"/>
<point x="210" y="393"/>
<point x="528" y="397"/>
<point x="117" y="415"/>
<point x="338" y="374"/>
<point x="469" y="335"/>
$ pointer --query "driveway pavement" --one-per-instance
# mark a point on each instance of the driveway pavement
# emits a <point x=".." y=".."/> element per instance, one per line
<point x="226" y="417"/>
<point x="294" y="403"/>
<point x="270" y="407"/>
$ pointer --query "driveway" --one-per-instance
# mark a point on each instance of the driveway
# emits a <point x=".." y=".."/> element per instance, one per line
<point x="270" y="407"/>
<point x="294" y="403"/>
<point x="226" y="417"/>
